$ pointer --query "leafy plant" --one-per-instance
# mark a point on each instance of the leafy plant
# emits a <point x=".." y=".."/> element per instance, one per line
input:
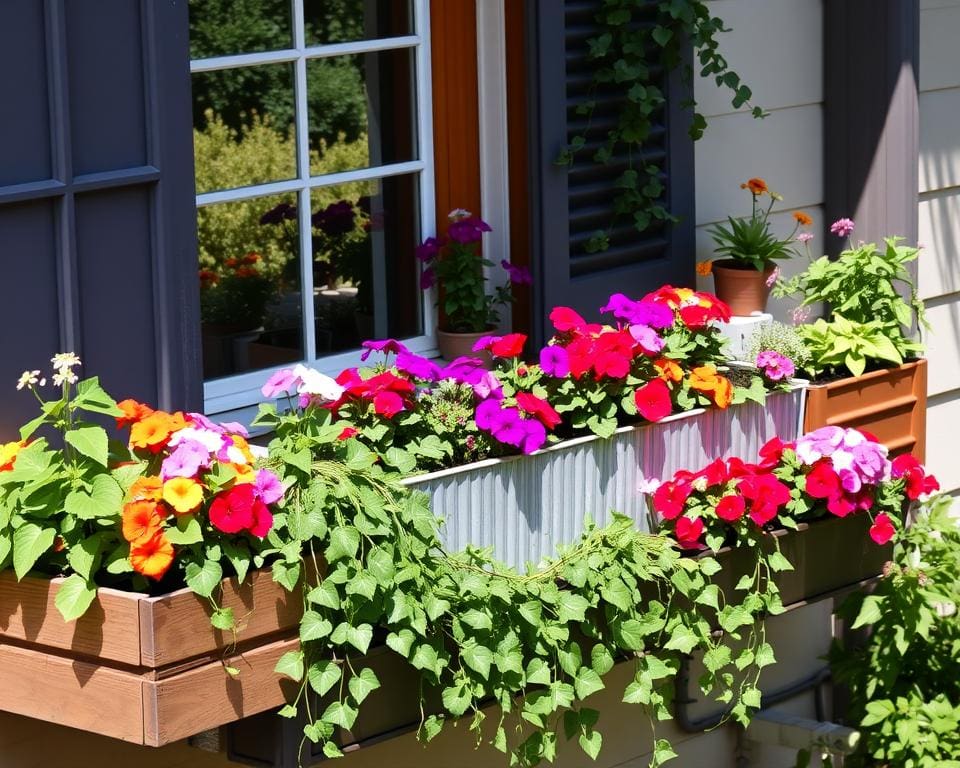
<point x="904" y="679"/>
<point x="840" y="343"/>
<point x="628" y="57"/>
<point x="238" y="294"/>
<point x="781" y="338"/>
<point x="748" y="242"/>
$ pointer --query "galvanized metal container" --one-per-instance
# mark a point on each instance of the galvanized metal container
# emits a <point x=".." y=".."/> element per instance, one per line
<point x="525" y="506"/>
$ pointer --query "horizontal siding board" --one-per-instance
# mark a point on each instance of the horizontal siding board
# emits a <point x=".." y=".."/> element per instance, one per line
<point x="943" y="343"/>
<point x="939" y="264"/>
<point x="939" y="148"/>
<point x="943" y="416"/>
<point x="939" y="52"/>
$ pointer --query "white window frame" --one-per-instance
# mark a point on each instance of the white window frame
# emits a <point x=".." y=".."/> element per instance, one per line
<point x="242" y="390"/>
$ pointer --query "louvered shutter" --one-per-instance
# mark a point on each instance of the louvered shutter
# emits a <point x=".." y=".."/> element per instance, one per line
<point x="570" y="203"/>
<point x="97" y="218"/>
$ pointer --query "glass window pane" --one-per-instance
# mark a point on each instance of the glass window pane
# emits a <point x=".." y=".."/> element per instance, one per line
<point x="366" y="277"/>
<point x="243" y="126"/>
<point x="362" y="110"/>
<point x="343" y="21"/>
<point x="228" y="27"/>
<point x="250" y="303"/>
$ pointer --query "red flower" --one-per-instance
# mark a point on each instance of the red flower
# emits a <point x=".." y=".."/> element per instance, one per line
<point x="841" y="505"/>
<point x="762" y="512"/>
<point x="714" y="473"/>
<point x="882" y="529"/>
<point x="695" y="316"/>
<point x="262" y="520"/>
<point x="766" y="495"/>
<point x="731" y="508"/>
<point x="387" y="403"/>
<point x="653" y="400"/>
<point x="510" y="345"/>
<point x="613" y="364"/>
<point x="823" y="482"/>
<point x="538" y="408"/>
<point x="689" y="532"/>
<point x="670" y="497"/>
<point x="772" y="452"/>
<point x="347" y="433"/>
<point x="565" y="319"/>
<point x="916" y="481"/>
<point x="232" y="511"/>
<point x="580" y="353"/>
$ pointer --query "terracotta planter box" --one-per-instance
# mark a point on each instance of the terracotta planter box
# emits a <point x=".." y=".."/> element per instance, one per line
<point x="148" y="670"/>
<point x="892" y="404"/>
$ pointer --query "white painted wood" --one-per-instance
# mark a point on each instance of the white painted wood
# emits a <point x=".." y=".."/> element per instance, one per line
<point x="939" y="52"/>
<point x="783" y="65"/>
<point x="942" y="344"/>
<point x="939" y="139"/>
<point x="786" y="149"/>
<point x="939" y="228"/>
<point x="943" y="418"/>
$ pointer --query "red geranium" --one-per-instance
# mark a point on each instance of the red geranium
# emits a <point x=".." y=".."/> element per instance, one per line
<point x="510" y="345"/>
<point x="670" y="497"/>
<point x="538" y="408"/>
<point x="232" y="511"/>
<point x="823" y="482"/>
<point x="731" y="508"/>
<point x="565" y="319"/>
<point x="653" y="400"/>
<point x="882" y="529"/>
<point x="689" y="532"/>
<point x="916" y="481"/>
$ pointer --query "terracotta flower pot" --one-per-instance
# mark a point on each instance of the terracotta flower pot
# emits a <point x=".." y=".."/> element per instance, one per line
<point x="454" y="345"/>
<point x="743" y="288"/>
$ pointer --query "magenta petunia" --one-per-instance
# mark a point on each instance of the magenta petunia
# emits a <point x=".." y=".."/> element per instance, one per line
<point x="429" y="249"/>
<point x="418" y="367"/>
<point x="185" y="461"/>
<point x="554" y="361"/>
<point x="518" y="275"/>
<point x="267" y="487"/>
<point x="468" y="230"/>
<point x="387" y="346"/>
<point x="648" y="339"/>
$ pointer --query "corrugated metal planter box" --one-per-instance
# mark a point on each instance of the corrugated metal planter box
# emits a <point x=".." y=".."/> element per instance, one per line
<point x="148" y="670"/>
<point x="525" y="506"/>
<point x="892" y="404"/>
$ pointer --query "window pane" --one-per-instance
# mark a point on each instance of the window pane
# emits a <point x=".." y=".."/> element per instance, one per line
<point x="342" y="21"/>
<point x="366" y="280"/>
<point x="243" y="126"/>
<point x="362" y="110"/>
<point x="228" y="27"/>
<point x="250" y="302"/>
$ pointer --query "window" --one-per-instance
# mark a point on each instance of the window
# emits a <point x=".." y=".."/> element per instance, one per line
<point x="314" y="182"/>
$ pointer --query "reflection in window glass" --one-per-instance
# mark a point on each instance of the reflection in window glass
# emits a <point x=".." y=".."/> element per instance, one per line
<point x="362" y="110"/>
<point x="228" y="27"/>
<point x="250" y="302"/>
<point x="342" y="21"/>
<point x="243" y="126"/>
<point x="365" y="274"/>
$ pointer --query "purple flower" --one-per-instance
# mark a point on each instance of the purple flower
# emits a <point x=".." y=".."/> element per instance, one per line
<point x="619" y="305"/>
<point x="466" y="370"/>
<point x="485" y="342"/>
<point x="468" y="230"/>
<point x="821" y="442"/>
<point x="279" y="213"/>
<point x="507" y="426"/>
<point x="850" y="480"/>
<point x="648" y="339"/>
<point x="428" y="279"/>
<point x="338" y="218"/>
<point x="518" y="275"/>
<point x="235" y="428"/>
<point x="486" y="413"/>
<point x="804" y="237"/>
<point x="774" y="276"/>
<point x="842" y="227"/>
<point x="871" y="461"/>
<point x="775" y="366"/>
<point x="488" y="386"/>
<point x="185" y="461"/>
<point x="202" y="422"/>
<point x="267" y="487"/>
<point x="429" y="249"/>
<point x="280" y="383"/>
<point x="535" y="437"/>
<point x="417" y="366"/>
<point x="387" y="346"/>
<point x="554" y="361"/>
<point x="639" y="312"/>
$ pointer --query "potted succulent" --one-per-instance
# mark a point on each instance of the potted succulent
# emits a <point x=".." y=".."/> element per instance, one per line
<point x="456" y="265"/>
<point x="744" y="276"/>
<point x="864" y="359"/>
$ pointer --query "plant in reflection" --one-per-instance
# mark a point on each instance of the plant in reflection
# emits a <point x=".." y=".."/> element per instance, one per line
<point x="237" y="294"/>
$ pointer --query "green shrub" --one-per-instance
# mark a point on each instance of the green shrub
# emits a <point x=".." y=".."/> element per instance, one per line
<point x="782" y="338"/>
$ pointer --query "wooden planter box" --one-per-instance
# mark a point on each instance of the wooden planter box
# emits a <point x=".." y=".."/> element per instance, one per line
<point x="892" y="404"/>
<point x="148" y="670"/>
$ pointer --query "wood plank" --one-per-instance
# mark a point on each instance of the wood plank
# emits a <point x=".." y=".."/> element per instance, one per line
<point x="77" y="694"/>
<point x="109" y="630"/>
<point x="207" y="697"/>
<point x="177" y="626"/>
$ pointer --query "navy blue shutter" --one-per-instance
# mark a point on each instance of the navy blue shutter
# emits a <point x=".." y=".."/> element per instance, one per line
<point x="97" y="217"/>
<point x="570" y="203"/>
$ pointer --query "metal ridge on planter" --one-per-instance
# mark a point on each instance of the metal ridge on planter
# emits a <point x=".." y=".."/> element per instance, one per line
<point x="526" y="506"/>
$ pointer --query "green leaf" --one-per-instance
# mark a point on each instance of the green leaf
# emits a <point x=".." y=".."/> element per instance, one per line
<point x="572" y="608"/>
<point x="313" y="626"/>
<point x="401" y="642"/>
<point x="360" y="637"/>
<point x="400" y="460"/>
<point x="587" y="682"/>
<point x="681" y="639"/>
<point x="223" y="619"/>
<point x="75" y="596"/>
<point x="291" y="665"/>
<point x="325" y="594"/>
<point x="479" y="620"/>
<point x="286" y="574"/>
<point x="187" y="531"/>
<point x="870" y="612"/>
<point x="323" y="675"/>
<point x="90" y="441"/>
<point x="778" y="562"/>
<point x="103" y="501"/>
<point x="331" y="750"/>
<point x="83" y="555"/>
<point x="92" y="398"/>
<point x="300" y="459"/>
<point x="344" y="543"/>
<point x="601" y="659"/>
<point x="591" y="742"/>
<point x="765" y="656"/>
<point x="340" y="713"/>
<point x="478" y="658"/>
<point x="203" y="580"/>
<point x="362" y="684"/>
<point x="617" y="593"/>
<point x="30" y="541"/>
<point x="538" y="672"/>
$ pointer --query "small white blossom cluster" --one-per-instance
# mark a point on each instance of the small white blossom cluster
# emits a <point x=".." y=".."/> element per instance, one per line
<point x="63" y="365"/>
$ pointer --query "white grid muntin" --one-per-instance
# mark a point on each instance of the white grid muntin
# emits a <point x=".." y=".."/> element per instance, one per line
<point x="243" y="390"/>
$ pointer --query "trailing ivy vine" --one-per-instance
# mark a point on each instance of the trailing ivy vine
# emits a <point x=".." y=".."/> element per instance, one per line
<point x="537" y="645"/>
<point x="641" y="42"/>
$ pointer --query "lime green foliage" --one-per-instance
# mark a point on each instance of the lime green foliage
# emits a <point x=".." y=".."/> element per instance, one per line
<point x="871" y="320"/>
<point x="782" y="338"/>
<point x="904" y="681"/>
<point x="537" y="644"/>
<point x="629" y="57"/>
<point x="749" y="241"/>
<point x="227" y="158"/>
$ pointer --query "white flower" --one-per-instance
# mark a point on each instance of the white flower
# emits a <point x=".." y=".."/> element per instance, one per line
<point x="64" y="376"/>
<point x="212" y="441"/>
<point x="28" y="379"/>
<point x="648" y="485"/>
<point x="258" y="451"/>
<point x="235" y="456"/>
<point x="459" y="213"/>
<point x="64" y="361"/>
<point x="317" y="384"/>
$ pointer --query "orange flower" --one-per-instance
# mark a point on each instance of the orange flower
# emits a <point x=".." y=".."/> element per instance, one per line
<point x="718" y="388"/>
<point x="756" y="186"/>
<point x="668" y="370"/>
<point x="8" y="454"/>
<point x="802" y="218"/>
<point x="723" y="394"/>
<point x="183" y="494"/>
<point x="704" y="268"/>
<point x="231" y="262"/>
<point x="251" y="258"/>
<point x="153" y="431"/>
<point x="132" y="412"/>
<point x="245" y="473"/>
<point x="153" y="556"/>
<point x="141" y="521"/>
<point x="146" y="489"/>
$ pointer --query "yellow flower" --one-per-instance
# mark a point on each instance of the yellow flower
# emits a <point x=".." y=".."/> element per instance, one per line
<point x="8" y="454"/>
<point x="183" y="494"/>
